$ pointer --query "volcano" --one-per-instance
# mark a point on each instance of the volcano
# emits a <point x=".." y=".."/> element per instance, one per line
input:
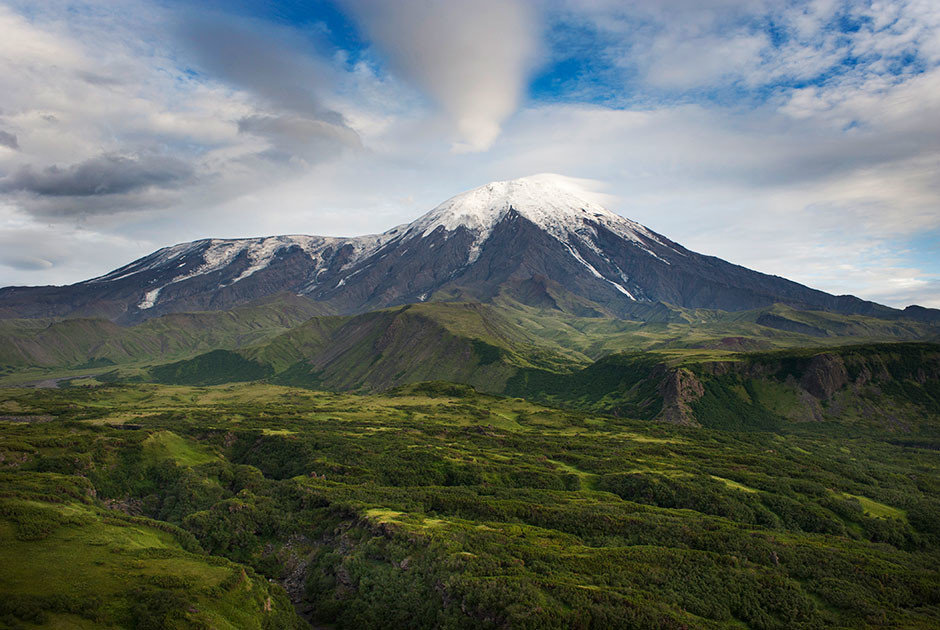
<point x="537" y="241"/>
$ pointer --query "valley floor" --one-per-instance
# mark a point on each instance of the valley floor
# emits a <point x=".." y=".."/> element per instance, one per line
<point x="433" y="506"/>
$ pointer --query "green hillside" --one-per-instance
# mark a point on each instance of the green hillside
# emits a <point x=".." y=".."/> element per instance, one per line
<point x="213" y="368"/>
<point x="894" y="387"/>
<point x="722" y="383"/>
<point x="89" y="343"/>
<point x="73" y="561"/>
<point x="287" y="331"/>
<point x="501" y="349"/>
<point x="496" y="467"/>
<point x="664" y="327"/>
<point x="462" y="342"/>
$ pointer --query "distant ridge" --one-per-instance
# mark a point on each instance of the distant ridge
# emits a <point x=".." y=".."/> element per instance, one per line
<point x="537" y="240"/>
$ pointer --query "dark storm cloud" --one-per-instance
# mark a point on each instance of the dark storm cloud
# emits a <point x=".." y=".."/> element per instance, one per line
<point x="102" y="175"/>
<point x="8" y="140"/>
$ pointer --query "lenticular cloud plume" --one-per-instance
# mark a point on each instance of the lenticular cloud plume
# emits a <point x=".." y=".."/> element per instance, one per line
<point x="470" y="56"/>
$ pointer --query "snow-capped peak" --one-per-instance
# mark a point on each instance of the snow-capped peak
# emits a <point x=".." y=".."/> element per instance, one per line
<point x="543" y="199"/>
<point x="559" y="205"/>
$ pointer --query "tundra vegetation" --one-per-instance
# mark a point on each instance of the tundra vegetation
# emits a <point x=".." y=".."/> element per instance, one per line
<point x="255" y="505"/>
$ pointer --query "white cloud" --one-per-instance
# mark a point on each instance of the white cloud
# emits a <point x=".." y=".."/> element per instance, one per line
<point x="701" y="61"/>
<point x="113" y="81"/>
<point x="679" y="46"/>
<point x="472" y="57"/>
<point x="33" y="252"/>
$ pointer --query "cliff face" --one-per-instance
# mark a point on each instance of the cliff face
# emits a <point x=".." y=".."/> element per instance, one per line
<point x="825" y="375"/>
<point x="894" y="386"/>
<point x="679" y="389"/>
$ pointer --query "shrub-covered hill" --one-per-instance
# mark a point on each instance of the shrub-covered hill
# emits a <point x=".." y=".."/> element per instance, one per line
<point x="435" y="506"/>
<point x="97" y="343"/>
<point x="463" y="342"/>
<point x="664" y="327"/>
<point x="73" y="561"/>
<point x="470" y="342"/>
<point x="892" y="386"/>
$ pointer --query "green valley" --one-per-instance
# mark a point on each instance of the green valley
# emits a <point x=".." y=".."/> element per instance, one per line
<point x="432" y="505"/>
<point x="461" y="465"/>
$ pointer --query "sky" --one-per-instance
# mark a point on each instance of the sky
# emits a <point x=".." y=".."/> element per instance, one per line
<point x="797" y="138"/>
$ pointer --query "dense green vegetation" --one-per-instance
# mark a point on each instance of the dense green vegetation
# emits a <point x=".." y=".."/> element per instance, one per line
<point x="212" y="368"/>
<point x="624" y="384"/>
<point x="85" y="344"/>
<point x="491" y="346"/>
<point x="700" y="332"/>
<point x="891" y="386"/>
<point x="679" y="379"/>
<point x="69" y="561"/>
<point x="435" y="506"/>
<point x="690" y="469"/>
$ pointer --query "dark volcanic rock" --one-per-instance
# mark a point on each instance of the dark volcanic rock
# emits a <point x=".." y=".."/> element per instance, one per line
<point x="825" y="375"/>
<point x="532" y="240"/>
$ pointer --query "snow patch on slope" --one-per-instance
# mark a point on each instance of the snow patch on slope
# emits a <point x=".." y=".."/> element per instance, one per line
<point x="598" y="274"/>
<point x="217" y="254"/>
<point x="150" y="298"/>
<point x="261" y="252"/>
<point x="158" y="259"/>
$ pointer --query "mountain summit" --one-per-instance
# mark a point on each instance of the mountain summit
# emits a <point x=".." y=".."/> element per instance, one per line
<point x="551" y="202"/>
<point x="538" y="241"/>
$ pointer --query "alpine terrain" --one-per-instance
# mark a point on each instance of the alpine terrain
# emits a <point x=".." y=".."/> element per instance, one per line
<point x="506" y="240"/>
<point x="521" y="410"/>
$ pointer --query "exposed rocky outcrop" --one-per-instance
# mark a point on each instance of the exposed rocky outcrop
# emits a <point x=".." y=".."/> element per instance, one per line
<point x="825" y="375"/>
<point x="873" y="383"/>
<point x="679" y="389"/>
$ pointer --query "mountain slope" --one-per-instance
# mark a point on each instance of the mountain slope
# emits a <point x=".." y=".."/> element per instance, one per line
<point x="85" y="341"/>
<point x="461" y="342"/>
<point x="465" y="343"/>
<point x="685" y="377"/>
<point x="535" y="240"/>
<point x="285" y="330"/>
<point x="666" y="328"/>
